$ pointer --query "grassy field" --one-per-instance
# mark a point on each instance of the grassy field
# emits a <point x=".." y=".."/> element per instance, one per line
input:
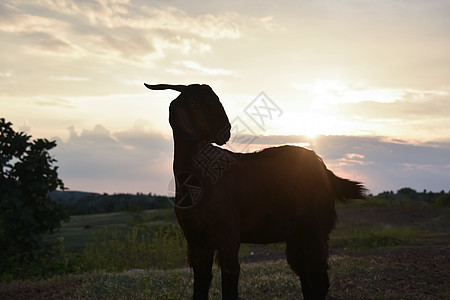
<point x="380" y="252"/>
<point x="81" y="229"/>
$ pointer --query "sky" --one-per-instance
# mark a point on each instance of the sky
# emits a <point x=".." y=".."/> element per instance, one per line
<point x="365" y="84"/>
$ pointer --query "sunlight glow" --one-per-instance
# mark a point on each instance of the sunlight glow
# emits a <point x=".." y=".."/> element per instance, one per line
<point x="325" y="93"/>
<point x="320" y="111"/>
<point x="312" y="123"/>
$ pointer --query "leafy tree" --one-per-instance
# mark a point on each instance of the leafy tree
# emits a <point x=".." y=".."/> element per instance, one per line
<point x="27" y="175"/>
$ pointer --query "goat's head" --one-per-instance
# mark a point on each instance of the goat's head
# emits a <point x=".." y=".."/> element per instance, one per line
<point x="197" y="114"/>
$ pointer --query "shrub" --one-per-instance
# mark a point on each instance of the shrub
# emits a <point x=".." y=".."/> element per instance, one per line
<point x="27" y="213"/>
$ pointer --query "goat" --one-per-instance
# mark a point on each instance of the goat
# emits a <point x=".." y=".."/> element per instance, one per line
<point x="280" y="194"/>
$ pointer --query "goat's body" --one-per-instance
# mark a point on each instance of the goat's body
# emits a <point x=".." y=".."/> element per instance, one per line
<point x="283" y="194"/>
<point x="287" y="189"/>
<point x="274" y="200"/>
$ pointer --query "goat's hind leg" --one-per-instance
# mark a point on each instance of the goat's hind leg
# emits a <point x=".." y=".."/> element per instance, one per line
<point x="201" y="260"/>
<point x="308" y="258"/>
<point x="229" y="265"/>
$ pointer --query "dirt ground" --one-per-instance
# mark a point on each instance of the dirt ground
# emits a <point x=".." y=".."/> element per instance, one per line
<point x="413" y="273"/>
<point x="418" y="268"/>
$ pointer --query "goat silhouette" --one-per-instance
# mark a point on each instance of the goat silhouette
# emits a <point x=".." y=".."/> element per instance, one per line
<point x="281" y="194"/>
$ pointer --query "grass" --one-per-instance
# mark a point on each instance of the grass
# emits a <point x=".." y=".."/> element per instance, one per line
<point x="375" y="237"/>
<point x="139" y="247"/>
<point x="81" y="229"/>
<point x="377" y="252"/>
<point x="399" y="275"/>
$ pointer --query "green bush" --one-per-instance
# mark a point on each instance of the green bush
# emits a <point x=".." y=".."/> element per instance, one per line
<point x="52" y="260"/>
<point x="27" y="175"/>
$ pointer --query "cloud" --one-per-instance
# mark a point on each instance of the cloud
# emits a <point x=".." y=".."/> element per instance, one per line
<point x="53" y="102"/>
<point x="351" y="159"/>
<point x="411" y="105"/>
<point x="416" y="115"/>
<point x="126" y="42"/>
<point x="116" y="28"/>
<point x="69" y="78"/>
<point x="5" y="74"/>
<point x="128" y="161"/>
<point x="13" y="21"/>
<point x="139" y="159"/>
<point x="359" y="69"/>
<point x="120" y="14"/>
<point x="387" y="164"/>
<point x="41" y="33"/>
<point x="324" y="93"/>
<point x="192" y="67"/>
<point x="379" y="162"/>
<point x="268" y="23"/>
<point x="410" y="113"/>
<point x="97" y="12"/>
<point x="50" y="44"/>
<point x="183" y="45"/>
<point x="209" y="26"/>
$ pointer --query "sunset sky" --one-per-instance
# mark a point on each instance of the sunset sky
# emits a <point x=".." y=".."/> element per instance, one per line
<point x="366" y="84"/>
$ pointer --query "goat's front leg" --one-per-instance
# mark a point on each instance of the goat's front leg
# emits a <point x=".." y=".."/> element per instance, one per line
<point x="229" y="264"/>
<point x="201" y="260"/>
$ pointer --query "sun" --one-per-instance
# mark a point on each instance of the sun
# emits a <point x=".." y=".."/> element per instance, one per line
<point x="311" y="125"/>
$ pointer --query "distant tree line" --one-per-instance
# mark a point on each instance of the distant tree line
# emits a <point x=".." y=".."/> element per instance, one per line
<point x="82" y="203"/>
<point x="410" y="195"/>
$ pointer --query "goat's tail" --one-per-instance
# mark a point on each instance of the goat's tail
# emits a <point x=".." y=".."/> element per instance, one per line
<point x="346" y="189"/>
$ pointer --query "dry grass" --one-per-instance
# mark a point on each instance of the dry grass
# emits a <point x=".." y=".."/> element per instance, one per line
<point x="399" y="274"/>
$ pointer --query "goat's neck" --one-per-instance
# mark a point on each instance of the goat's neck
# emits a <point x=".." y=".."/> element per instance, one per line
<point x="203" y="160"/>
<point x="184" y="153"/>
